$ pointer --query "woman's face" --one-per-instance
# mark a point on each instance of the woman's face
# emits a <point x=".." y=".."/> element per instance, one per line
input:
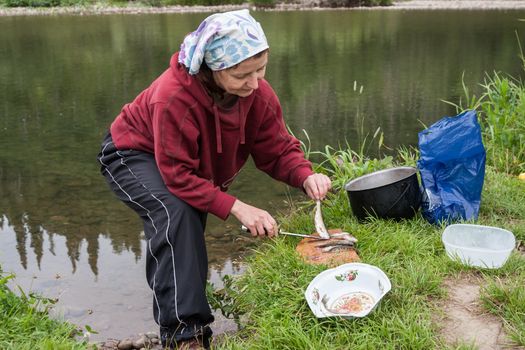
<point x="242" y="79"/>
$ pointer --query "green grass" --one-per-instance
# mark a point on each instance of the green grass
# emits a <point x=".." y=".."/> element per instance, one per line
<point x="271" y="291"/>
<point x="25" y="324"/>
<point x="505" y="297"/>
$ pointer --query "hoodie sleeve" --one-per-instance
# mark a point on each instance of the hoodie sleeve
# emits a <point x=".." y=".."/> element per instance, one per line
<point x="278" y="153"/>
<point x="177" y="156"/>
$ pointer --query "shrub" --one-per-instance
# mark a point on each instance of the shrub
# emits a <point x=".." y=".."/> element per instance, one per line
<point x="43" y="3"/>
<point x="198" y="2"/>
<point x="75" y="2"/>
<point x="264" y="3"/>
<point x="31" y="3"/>
<point x="354" y="3"/>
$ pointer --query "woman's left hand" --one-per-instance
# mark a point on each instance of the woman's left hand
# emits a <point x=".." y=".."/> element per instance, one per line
<point x="317" y="186"/>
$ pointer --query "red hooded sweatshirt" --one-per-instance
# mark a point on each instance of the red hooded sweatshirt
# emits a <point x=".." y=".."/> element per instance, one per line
<point x="200" y="147"/>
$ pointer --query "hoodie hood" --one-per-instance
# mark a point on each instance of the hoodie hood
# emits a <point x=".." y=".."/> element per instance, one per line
<point x="235" y="116"/>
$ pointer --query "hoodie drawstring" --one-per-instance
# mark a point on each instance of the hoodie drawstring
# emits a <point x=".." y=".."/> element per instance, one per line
<point x="218" y="135"/>
<point x="242" y="123"/>
<point x="218" y="131"/>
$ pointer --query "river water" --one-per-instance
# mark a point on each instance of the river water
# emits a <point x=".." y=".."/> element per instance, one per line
<point x="339" y="75"/>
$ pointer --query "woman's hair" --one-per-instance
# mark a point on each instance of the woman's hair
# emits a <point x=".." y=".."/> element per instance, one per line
<point x="205" y="76"/>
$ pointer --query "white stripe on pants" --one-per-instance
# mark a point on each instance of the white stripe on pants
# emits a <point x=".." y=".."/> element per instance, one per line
<point x="176" y="261"/>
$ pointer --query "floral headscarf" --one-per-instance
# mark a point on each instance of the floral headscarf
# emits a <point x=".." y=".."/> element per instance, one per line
<point x="222" y="41"/>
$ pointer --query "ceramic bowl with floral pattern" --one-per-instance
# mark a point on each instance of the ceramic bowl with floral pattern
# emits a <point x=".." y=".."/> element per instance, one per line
<point x="349" y="290"/>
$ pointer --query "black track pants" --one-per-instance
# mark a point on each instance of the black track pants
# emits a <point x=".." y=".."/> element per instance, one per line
<point x="176" y="258"/>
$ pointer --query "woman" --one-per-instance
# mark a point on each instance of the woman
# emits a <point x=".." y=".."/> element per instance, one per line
<point x="172" y="153"/>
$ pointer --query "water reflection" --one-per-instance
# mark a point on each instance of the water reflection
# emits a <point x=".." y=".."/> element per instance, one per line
<point x="115" y="300"/>
<point x="338" y="74"/>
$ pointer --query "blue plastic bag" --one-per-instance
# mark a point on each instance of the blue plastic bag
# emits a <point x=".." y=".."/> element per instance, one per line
<point x="452" y="168"/>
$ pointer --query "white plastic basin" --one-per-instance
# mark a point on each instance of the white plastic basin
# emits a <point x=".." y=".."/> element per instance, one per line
<point x="477" y="245"/>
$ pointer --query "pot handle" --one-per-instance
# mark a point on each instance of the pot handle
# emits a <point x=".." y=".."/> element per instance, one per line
<point x="400" y="196"/>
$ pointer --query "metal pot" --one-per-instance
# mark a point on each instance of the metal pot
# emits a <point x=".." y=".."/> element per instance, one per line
<point x="388" y="194"/>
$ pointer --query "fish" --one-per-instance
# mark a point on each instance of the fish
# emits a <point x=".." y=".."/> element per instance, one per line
<point x="336" y="245"/>
<point x="319" y="223"/>
<point x="334" y="248"/>
<point x="343" y="236"/>
<point x="339" y="242"/>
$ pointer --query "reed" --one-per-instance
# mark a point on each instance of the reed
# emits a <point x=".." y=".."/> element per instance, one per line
<point x="501" y="113"/>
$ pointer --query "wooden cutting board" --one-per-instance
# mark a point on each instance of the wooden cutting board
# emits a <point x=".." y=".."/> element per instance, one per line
<point x="309" y="250"/>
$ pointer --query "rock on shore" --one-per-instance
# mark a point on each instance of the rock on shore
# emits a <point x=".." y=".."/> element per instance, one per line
<point x="142" y="341"/>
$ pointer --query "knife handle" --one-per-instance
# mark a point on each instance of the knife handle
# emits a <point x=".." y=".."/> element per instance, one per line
<point x="246" y="229"/>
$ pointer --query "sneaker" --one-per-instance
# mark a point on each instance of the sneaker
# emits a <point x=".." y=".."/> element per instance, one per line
<point x="189" y="344"/>
<point x="200" y="340"/>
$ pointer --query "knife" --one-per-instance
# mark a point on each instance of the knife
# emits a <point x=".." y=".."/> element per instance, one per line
<point x="281" y="232"/>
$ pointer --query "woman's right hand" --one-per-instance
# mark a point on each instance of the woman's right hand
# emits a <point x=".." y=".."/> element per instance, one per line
<point x="258" y="221"/>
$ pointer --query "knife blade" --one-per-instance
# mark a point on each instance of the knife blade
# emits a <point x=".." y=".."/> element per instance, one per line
<point x="281" y="232"/>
